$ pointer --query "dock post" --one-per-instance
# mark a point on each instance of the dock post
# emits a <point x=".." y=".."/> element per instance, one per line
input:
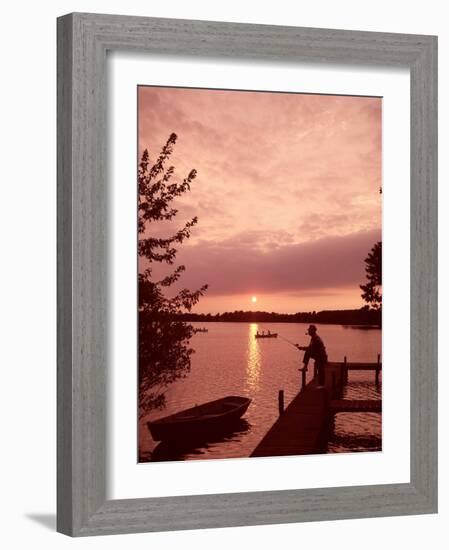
<point x="345" y="370"/>
<point x="334" y="383"/>
<point x="378" y="369"/>
<point x="281" y="402"/>
<point x="303" y="377"/>
<point x="328" y="424"/>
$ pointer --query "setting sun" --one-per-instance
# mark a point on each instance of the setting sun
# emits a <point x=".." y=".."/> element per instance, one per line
<point x="254" y="299"/>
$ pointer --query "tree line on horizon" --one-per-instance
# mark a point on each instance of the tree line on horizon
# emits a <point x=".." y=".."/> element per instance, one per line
<point x="362" y="316"/>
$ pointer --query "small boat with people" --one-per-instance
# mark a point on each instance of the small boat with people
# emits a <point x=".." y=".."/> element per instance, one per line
<point x="203" y="329"/>
<point x="209" y="418"/>
<point x="267" y="334"/>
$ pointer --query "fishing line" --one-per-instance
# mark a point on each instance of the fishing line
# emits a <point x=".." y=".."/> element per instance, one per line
<point x="282" y="337"/>
<point x="288" y="341"/>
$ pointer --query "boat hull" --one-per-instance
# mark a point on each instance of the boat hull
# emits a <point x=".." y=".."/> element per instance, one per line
<point x="181" y="426"/>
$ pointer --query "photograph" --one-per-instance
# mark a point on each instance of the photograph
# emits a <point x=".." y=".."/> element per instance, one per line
<point x="259" y="276"/>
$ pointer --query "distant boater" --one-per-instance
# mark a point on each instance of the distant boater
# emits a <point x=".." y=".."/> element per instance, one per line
<point x="317" y="351"/>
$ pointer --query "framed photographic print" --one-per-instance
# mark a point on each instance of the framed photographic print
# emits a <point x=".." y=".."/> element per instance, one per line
<point x="279" y="214"/>
<point x="246" y="274"/>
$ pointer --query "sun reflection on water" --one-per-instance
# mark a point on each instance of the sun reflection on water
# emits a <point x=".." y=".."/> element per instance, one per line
<point x="253" y="359"/>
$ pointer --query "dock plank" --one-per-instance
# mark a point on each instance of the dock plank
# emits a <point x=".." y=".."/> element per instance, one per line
<point x="364" y="366"/>
<point x="355" y="405"/>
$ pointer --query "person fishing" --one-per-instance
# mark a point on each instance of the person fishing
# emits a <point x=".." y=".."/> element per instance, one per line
<point x="317" y="351"/>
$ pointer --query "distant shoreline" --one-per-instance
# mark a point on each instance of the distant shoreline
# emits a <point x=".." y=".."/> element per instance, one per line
<point x="350" y="317"/>
<point x="346" y="325"/>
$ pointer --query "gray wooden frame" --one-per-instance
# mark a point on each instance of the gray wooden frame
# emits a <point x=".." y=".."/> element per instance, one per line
<point x="83" y="40"/>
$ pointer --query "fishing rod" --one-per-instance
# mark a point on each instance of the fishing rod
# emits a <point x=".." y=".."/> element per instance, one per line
<point x="288" y="341"/>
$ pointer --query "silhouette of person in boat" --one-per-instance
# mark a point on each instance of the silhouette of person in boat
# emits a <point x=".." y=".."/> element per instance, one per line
<point x="315" y="350"/>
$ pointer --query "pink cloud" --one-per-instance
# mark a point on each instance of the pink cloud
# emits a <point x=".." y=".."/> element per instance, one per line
<point x="287" y="192"/>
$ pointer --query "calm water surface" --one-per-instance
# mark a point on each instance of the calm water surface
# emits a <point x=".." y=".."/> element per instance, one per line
<point x="228" y="360"/>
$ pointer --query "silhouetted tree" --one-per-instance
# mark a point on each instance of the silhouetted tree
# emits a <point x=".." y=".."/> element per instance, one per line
<point x="372" y="290"/>
<point x="164" y="351"/>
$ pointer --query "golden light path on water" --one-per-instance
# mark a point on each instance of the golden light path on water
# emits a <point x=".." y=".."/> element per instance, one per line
<point x="253" y="358"/>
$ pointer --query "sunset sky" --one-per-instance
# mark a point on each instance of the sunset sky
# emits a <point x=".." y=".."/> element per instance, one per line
<point x="287" y="194"/>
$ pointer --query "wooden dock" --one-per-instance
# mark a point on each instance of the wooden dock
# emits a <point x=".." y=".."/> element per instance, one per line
<point x="303" y="428"/>
<point x="376" y="367"/>
<point x="299" y="430"/>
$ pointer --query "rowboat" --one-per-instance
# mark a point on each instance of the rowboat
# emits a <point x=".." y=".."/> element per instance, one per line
<point x="209" y="418"/>
<point x="271" y="335"/>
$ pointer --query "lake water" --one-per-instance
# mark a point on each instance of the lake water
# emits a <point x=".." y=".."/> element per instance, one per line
<point x="228" y="360"/>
